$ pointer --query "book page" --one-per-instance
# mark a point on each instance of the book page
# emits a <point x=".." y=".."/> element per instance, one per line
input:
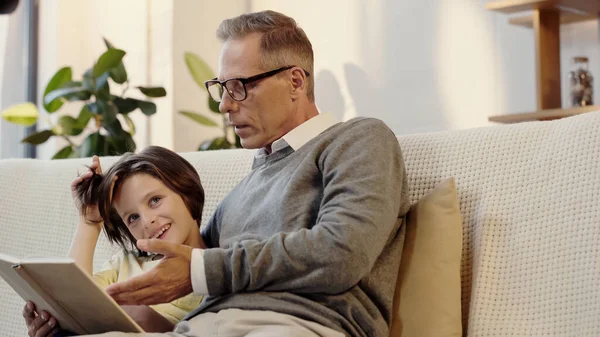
<point x="79" y="295"/>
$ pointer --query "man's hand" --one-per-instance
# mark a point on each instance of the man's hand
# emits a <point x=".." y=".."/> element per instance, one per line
<point x="168" y="281"/>
<point x="39" y="325"/>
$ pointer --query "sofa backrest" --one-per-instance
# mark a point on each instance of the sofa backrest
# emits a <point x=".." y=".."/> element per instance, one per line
<point x="530" y="199"/>
<point x="528" y="194"/>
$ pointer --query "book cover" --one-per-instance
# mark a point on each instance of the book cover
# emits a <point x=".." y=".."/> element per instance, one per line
<point x="60" y="287"/>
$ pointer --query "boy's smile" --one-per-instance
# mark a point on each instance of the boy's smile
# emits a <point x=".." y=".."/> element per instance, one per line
<point x="151" y="210"/>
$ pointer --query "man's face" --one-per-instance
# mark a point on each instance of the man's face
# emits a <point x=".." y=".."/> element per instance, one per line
<point x="266" y="113"/>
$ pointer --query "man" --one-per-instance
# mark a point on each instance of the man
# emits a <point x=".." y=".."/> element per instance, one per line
<point x="307" y="243"/>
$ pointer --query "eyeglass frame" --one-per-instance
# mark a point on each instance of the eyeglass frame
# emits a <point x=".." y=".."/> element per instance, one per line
<point x="244" y="81"/>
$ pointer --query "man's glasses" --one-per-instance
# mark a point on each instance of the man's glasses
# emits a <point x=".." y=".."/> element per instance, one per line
<point x="236" y="87"/>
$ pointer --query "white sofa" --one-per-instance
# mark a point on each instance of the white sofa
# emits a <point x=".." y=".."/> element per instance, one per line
<point x="529" y="194"/>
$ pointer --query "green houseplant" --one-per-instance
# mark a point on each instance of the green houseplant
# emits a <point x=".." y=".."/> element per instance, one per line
<point x="101" y="107"/>
<point x="201" y="72"/>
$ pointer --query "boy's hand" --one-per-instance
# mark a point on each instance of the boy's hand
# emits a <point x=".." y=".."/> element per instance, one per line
<point x="39" y="325"/>
<point x="92" y="213"/>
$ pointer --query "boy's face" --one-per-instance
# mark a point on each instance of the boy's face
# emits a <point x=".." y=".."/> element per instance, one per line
<point x="153" y="211"/>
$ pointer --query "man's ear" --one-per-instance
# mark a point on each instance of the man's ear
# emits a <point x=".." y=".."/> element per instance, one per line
<point x="298" y="83"/>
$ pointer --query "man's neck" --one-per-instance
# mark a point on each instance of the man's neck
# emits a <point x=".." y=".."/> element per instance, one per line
<point x="299" y="119"/>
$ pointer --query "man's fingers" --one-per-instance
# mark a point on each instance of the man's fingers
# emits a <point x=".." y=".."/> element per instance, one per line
<point x="131" y="286"/>
<point x="162" y="247"/>
<point x="144" y="296"/>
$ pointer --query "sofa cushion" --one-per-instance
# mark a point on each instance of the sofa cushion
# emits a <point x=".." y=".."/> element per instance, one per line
<point x="427" y="299"/>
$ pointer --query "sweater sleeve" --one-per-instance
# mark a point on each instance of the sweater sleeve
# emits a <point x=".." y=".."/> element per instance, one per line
<point x="363" y="176"/>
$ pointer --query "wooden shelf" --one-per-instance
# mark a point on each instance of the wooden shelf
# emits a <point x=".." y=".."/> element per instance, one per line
<point x="545" y="19"/>
<point x="581" y="7"/>
<point x="565" y="18"/>
<point x="543" y="115"/>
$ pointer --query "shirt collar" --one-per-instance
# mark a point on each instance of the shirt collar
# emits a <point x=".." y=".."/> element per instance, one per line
<point x="302" y="134"/>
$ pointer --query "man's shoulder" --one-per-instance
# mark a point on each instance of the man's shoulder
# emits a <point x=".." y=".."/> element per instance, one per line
<point x="361" y="127"/>
<point x="362" y="123"/>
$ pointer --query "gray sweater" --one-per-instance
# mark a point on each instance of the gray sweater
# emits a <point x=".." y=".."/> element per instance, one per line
<point x="312" y="232"/>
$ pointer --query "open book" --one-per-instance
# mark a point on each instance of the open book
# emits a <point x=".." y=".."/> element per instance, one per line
<point x="60" y="287"/>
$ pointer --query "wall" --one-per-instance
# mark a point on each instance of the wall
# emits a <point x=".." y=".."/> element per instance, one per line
<point x="194" y="26"/>
<point x="420" y="66"/>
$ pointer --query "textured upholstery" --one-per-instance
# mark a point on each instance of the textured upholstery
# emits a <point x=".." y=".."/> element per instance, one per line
<point x="530" y="199"/>
<point x="529" y="196"/>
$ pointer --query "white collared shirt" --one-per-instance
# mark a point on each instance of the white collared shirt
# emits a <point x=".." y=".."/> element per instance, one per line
<point x="301" y="134"/>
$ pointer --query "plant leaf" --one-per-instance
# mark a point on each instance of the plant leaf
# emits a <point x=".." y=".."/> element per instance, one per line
<point x="218" y="143"/>
<point x="89" y="80"/>
<point x="70" y="126"/>
<point x="108" y="44"/>
<point x="148" y="108"/>
<point x="153" y="91"/>
<point x="199" y="69"/>
<point x="38" y="138"/>
<point x="78" y="96"/>
<point x="108" y="110"/>
<point x="94" y="144"/>
<point x="120" y="145"/>
<point x="101" y="81"/>
<point x="25" y="114"/>
<point x="119" y="141"/>
<point x="199" y="118"/>
<point x="102" y="87"/>
<point x="118" y="74"/>
<point x="76" y="153"/>
<point x="93" y="108"/>
<point x="84" y="117"/>
<point x="130" y="124"/>
<point x="114" y="128"/>
<point x="107" y="61"/>
<point x="65" y="152"/>
<point x="125" y="105"/>
<point x="62" y="76"/>
<point x="63" y="92"/>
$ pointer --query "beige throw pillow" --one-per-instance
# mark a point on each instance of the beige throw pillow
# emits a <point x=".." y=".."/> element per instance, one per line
<point x="427" y="298"/>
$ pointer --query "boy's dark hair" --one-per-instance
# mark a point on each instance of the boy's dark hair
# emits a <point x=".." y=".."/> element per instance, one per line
<point x="163" y="164"/>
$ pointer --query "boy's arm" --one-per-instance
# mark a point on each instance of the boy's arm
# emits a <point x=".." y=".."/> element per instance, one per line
<point x="84" y="244"/>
